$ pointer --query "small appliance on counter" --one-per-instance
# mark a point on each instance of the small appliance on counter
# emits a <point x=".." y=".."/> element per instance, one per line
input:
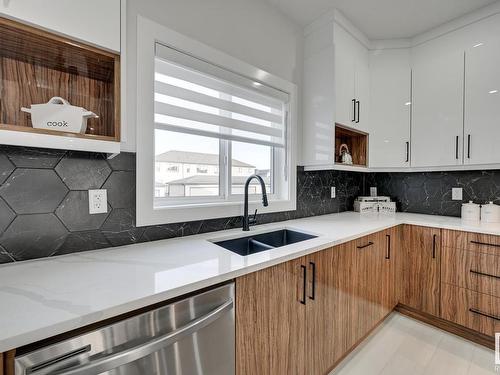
<point x="58" y="114"/>
<point x="490" y="213"/>
<point x="471" y="211"/>
<point x="374" y="204"/>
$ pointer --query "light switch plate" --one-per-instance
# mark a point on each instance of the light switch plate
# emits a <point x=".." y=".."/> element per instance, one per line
<point x="98" y="201"/>
<point x="333" y="192"/>
<point x="456" y="194"/>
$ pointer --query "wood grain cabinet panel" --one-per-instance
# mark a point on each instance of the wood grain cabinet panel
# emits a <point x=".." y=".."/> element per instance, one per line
<point x="330" y="308"/>
<point x="421" y="268"/>
<point x="479" y="272"/>
<point x="270" y="329"/>
<point x="480" y="312"/>
<point x="475" y="242"/>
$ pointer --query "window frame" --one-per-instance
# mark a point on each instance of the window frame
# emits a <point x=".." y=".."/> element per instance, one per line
<point x="226" y="204"/>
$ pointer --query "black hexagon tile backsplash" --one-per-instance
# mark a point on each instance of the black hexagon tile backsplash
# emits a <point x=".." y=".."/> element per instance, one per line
<point x="33" y="191"/>
<point x="44" y="200"/>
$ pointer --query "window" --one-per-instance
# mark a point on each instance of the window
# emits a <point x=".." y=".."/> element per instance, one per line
<point x="209" y="129"/>
<point x="214" y="124"/>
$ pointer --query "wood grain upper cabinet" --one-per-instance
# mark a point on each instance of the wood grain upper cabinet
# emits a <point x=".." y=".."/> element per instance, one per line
<point x="270" y="320"/>
<point x="93" y="21"/>
<point x="482" y="101"/>
<point x="437" y="105"/>
<point x="421" y="268"/>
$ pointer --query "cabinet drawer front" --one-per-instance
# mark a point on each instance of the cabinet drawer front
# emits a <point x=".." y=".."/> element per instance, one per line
<point x="485" y="274"/>
<point x="480" y="243"/>
<point x="477" y="311"/>
<point x="476" y="271"/>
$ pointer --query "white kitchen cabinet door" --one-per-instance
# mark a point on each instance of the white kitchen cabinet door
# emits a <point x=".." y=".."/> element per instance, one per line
<point x="93" y="21"/>
<point x="482" y="103"/>
<point x="345" y="69"/>
<point x="437" y="105"/>
<point x="318" y="129"/>
<point x="362" y="91"/>
<point x="390" y="91"/>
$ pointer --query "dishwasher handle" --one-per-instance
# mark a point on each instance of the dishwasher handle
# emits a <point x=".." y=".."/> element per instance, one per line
<point x="137" y="352"/>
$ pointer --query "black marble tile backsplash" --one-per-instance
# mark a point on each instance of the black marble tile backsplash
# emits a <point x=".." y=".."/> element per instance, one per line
<point x="44" y="203"/>
<point x="430" y="192"/>
<point x="44" y="200"/>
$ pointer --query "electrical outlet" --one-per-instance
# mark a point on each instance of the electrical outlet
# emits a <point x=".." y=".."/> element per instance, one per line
<point x="98" y="201"/>
<point x="333" y="193"/>
<point x="456" y="194"/>
<point x="373" y="191"/>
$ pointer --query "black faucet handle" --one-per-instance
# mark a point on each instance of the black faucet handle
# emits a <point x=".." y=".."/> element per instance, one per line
<point x="253" y="219"/>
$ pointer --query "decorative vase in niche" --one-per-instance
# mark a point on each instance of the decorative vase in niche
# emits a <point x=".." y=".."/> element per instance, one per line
<point x="345" y="155"/>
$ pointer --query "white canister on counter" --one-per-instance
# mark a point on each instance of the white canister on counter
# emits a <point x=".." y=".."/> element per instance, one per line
<point x="490" y="213"/>
<point x="471" y="211"/>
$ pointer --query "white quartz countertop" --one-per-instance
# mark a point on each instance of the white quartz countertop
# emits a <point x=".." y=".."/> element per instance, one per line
<point x="46" y="297"/>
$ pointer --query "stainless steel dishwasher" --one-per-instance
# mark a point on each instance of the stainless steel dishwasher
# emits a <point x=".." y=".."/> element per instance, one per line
<point x="194" y="336"/>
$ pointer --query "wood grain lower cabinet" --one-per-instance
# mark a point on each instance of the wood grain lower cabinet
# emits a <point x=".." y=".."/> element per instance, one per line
<point x="480" y="312"/>
<point x="330" y="310"/>
<point x="421" y="268"/>
<point x="348" y="290"/>
<point x="270" y="329"/>
<point x="478" y="272"/>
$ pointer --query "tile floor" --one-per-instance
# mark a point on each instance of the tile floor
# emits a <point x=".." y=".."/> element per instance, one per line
<point x="403" y="346"/>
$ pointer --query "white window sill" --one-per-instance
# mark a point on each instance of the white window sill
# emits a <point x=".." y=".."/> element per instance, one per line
<point x="215" y="210"/>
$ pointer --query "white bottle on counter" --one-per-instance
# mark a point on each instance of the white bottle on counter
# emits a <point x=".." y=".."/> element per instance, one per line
<point x="490" y="213"/>
<point x="471" y="211"/>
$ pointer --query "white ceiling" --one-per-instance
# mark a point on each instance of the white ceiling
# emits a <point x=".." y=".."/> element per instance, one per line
<point x="383" y="19"/>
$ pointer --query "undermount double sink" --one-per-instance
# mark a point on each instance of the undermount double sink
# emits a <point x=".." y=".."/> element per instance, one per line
<point x="263" y="241"/>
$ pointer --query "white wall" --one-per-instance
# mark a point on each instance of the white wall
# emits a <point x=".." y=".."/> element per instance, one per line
<point x="250" y="30"/>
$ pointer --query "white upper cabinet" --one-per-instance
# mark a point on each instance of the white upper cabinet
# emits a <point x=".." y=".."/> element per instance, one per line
<point x="352" y="80"/>
<point x="92" y="21"/>
<point x="390" y="91"/>
<point x="482" y="102"/>
<point x="437" y="125"/>
<point x="318" y="102"/>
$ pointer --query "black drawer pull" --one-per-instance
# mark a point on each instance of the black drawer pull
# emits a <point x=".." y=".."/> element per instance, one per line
<point x="475" y="311"/>
<point x="363" y="246"/>
<point x="304" y="285"/>
<point x="485" y="243"/>
<point x="434" y="246"/>
<point x="313" y="287"/>
<point x="388" y="255"/>
<point x="484" y="274"/>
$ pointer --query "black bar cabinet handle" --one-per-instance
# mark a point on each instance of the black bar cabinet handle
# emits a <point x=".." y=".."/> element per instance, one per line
<point x="388" y="255"/>
<point x="484" y="274"/>
<point x="468" y="146"/>
<point x="353" y="110"/>
<point x="479" y="312"/>
<point x="304" y="284"/>
<point x="313" y="289"/>
<point x="485" y="243"/>
<point x="363" y="246"/>
<point x="407" y="152"/>
<point x="434" y="246"/>
<point x="456" y="147"/>
<point x="359" y="110"/>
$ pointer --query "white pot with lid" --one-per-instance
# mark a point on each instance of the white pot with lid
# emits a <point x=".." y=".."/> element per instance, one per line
<point x="490" y="213"/>
<point x="471" y="211"/>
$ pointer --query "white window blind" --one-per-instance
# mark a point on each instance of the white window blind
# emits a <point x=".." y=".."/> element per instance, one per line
<point x="195" y="97"/>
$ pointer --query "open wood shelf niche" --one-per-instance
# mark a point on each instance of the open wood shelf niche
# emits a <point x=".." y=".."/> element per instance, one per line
<point x="36" y="65"/>
<point x="357" y="142"/>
